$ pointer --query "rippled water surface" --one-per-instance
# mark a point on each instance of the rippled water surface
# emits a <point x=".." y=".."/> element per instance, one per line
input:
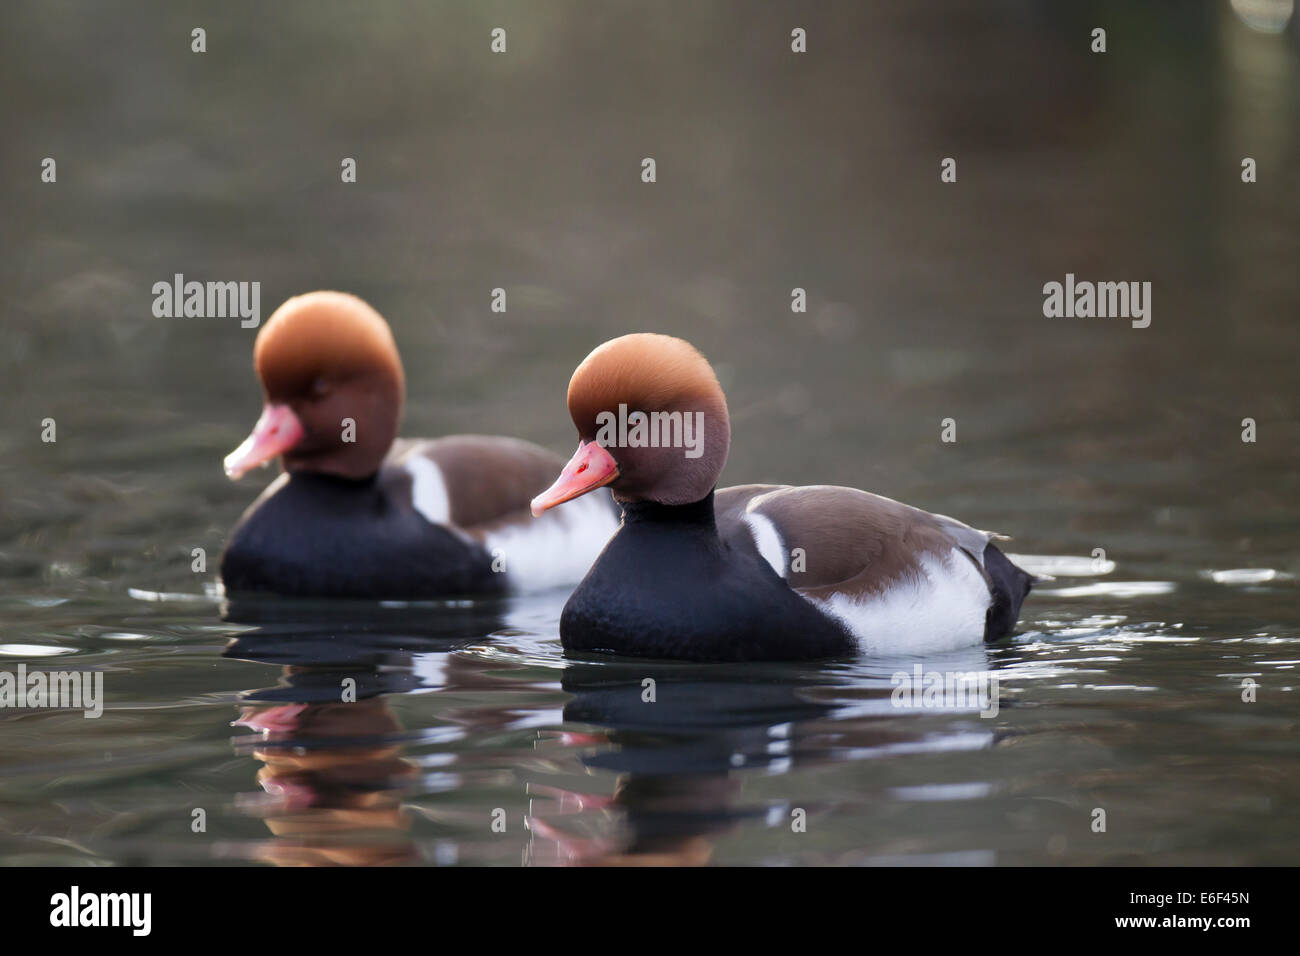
<point x="1123" y="690"/>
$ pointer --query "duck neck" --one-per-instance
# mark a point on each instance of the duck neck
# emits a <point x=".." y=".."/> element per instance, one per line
<point x="331" y="480"/>
<point x="697" y="514"/>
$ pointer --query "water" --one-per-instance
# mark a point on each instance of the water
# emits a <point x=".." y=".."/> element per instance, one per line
<point x="1123" y="690"/>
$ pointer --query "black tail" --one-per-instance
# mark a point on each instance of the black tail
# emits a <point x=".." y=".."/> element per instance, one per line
<point x="1010" y="585"/>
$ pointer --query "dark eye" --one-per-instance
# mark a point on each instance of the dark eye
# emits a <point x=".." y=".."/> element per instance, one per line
<point x="319" y="388"/>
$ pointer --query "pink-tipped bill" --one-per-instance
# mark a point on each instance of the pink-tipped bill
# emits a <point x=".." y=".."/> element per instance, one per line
<point x="591" y="467"/>
<point x="276" y="432"/>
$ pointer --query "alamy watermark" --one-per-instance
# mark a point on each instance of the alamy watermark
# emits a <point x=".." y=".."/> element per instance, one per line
<point x="133" y="911"/>
<point x="208" y="300"/>
<point x="945" y="690"/>
<point x="63" y="690"/>
<point x="653" y="430"/>
<point x="1102" y="300"/>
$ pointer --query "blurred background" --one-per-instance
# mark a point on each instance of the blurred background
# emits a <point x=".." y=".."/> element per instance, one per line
<point x="775" y="170"/>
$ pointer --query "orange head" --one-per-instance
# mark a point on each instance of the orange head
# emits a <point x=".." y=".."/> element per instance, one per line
<point x="652" y="423"/>
<point x="333" y="387"/>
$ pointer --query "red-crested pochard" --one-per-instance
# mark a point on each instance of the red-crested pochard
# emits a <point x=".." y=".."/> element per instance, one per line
<point x="360" y="513"/>
<point x="755" y="572"/>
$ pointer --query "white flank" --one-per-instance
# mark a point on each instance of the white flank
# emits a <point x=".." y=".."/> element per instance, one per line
<point x="428" y="490"/>
<point x="941" y="609"/>
<point x="556" y="549"/>
<point x="767" y="540"/>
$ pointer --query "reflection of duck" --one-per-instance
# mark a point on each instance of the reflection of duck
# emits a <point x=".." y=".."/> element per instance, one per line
<point x="762" y="572"/>
<point x="333" y="771"/>
<point x="316" y="633"/>
<point x="682" y="760"/>
<point x="330" y="802"/>
<point x="358" y="514"/>
<point x="678" y="758"/>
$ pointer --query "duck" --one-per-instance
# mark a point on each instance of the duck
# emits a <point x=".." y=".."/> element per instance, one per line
<point x="358" y="512"/>
<point x="757" y="571"/>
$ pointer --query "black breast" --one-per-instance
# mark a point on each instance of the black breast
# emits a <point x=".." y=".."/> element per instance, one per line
<point x="666" y="586"/>
<point x="321" y="536"/>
